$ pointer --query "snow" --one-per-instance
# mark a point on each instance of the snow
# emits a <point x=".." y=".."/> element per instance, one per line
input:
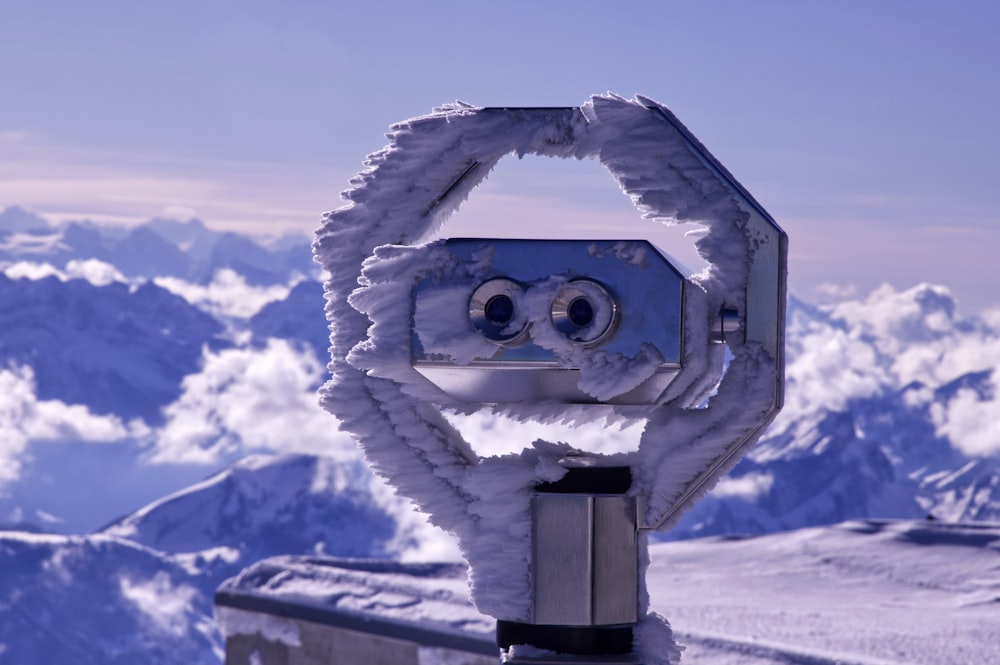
<point x="431" y="595"/>
<point x="861" y="592"/>
<point x="858" y="593"/>
<point x="438" y="656"/>
<point x="289" y="503"/>
<point x="111" y="348"/>
<point x="234" y="621"/>
<point x="80" y="599"/>
<point x="409" y="189"/>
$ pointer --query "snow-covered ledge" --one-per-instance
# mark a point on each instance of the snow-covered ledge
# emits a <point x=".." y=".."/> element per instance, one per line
<point x="327" y="611"/>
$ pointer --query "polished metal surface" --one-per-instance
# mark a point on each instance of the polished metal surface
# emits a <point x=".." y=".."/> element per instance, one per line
<point x="562" y="569"/>
<point x="633" y="294"/>
<point x="584" y="559"/>
<point x="615" y="553"/>
<point x="763" y="321"/>
<point x="532" y="382"/>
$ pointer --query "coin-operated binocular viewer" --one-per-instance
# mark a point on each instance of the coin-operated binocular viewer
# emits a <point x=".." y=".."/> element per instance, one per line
<point x="581" y="332"/>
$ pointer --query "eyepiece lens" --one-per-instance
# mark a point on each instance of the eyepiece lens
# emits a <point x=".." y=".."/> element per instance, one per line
<point x="584" y="311"/>
<point x="580" y="312"/>
<point x="499" y="309"/>
<point x="495" y="312"/>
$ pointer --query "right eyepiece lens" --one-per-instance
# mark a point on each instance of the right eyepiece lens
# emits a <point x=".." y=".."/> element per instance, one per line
<point x="585" y="312"/>
<point x="580" y="312"/>
<point x="499" y="309"/>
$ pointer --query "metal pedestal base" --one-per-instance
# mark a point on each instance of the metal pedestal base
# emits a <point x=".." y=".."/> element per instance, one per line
<point x="584" y="572"/>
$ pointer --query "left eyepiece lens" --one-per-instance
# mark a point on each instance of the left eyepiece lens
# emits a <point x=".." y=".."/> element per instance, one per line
<point x="580" y="312"/>
<point x="494" y="311"/>
<point x="499" y="310"/>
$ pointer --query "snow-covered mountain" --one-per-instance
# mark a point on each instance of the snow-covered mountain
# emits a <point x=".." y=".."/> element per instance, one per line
<point x="111" y="348"/>
<point x="99" y="600"/>
<point x="158" y="248"/>
<point x="141" y="590"/>
<point x="295" y="318"/>
<point x="267" y="505"/>
<point x="891" y="411"/>
<point x="16" y="219"/>
<point x="116" y="389"/>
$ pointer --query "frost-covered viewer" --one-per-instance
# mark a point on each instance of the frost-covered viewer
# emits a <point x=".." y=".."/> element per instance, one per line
<point x="695" y="430"/>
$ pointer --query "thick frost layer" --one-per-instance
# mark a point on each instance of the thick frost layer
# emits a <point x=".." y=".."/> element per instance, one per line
<point x="406" y="191"/>
<point x="431" y="595"/>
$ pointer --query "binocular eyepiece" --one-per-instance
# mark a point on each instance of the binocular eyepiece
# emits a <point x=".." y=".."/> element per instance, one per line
<point x="534" y="310"/>
<point x="583" y="310"/>
<point x="496" y="311"/>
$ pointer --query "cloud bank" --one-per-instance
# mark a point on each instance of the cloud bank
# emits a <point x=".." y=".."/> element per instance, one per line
<point x="250" y="400"/>
<point x="24" y="418"/>
<point x="227" y="295"/>
<point x="94" y="271"/>
<point x="911" y="341"/>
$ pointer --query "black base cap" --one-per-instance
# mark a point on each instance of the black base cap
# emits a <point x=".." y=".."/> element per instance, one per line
<point x="585" y="640"/>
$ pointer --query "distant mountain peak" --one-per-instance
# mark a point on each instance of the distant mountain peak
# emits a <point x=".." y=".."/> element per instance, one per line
<point x="16" y="219"/>
<point x="179" y="233"/>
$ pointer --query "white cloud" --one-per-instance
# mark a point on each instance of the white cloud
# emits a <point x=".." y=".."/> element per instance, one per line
<point x="830" y="368"/>
<point x="31" y="270"/>
<point x="919" y="335"/>
<point x="992" y="317"/>
<point x="179" y="212"/>
<point x="948" y="359"/>
<point x="250" y="400"/>
<point x="893" y="340"/>
<point x="749" y="487"/>
<point x="167" y="607"/>
<point x="971" y="420"/>
<point x="897" y="319"/>
<point x="24" y="418"/>
<point x="228" y="294"/>
<point x="837" y="291"/>
<point x="94" y="271"/>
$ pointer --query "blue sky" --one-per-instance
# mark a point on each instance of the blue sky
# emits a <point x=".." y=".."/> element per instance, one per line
<point x="867" y="129"/>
